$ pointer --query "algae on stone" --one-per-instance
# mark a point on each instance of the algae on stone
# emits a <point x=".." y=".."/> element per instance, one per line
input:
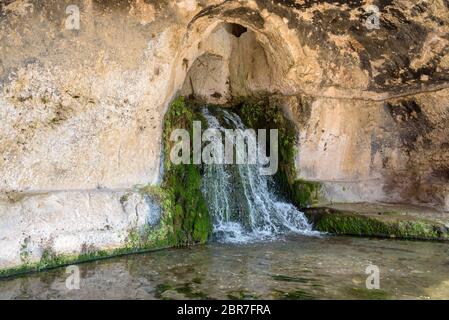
<point x="187" y="209"/>
<point x="185" y="218"/>
<point x="356" y="224"/>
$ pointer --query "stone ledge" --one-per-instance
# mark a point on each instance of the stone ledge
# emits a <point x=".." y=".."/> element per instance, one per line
<point x="49" y="229"/>
<point x="379" y="221"/>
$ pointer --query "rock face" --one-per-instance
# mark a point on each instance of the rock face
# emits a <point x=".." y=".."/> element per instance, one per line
<point x="82" y="108"/>
<point x="65" y="223"/>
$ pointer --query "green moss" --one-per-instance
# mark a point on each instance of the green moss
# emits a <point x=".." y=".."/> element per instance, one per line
<point x="50" y="260"/>
<point x="367" y="294"/>
<point x="189" y="292"/>
<point x="349" y="223"/>
<point x="185" y="208"/>
<point x="138" y="241"/>
<point x="304" y="193"/>
<point x="266" y="115"/>
<point x="293" y="295"/>
<point x="124" y="198"/>
<point x="185" y="219"/>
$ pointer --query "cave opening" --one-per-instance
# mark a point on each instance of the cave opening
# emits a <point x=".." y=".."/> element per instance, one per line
<point x="228" y="86"/>
<point x="236" y="29"/>
<point x="231" y="63"/>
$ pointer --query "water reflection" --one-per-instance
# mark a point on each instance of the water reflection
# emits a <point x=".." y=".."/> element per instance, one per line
<point x="295" y="268"/>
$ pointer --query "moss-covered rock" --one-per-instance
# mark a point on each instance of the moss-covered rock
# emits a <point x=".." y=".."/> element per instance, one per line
<point x="266" y="115"/>
<point x="50" y="260"/>
<point x="184" y="205"/>
<point x="185" y="217"/>
<point x="356" y="224"/>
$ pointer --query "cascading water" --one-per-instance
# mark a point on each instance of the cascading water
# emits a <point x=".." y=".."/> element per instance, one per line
<point x="242" y="202"/>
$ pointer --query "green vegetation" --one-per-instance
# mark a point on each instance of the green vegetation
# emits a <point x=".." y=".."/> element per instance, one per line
<point x="184" y="206"/>
<point x="367" y="294"/>
<point x="185" y="219"/>
<point x="266" y="115"/>
<point x="124" y="198"/>
<point x="304" y="193"/>
<point x="50" y="260"/>
<point x="350" y="223"/>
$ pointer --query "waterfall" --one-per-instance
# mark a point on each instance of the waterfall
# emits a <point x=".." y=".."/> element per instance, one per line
<point x="243" y="204"/>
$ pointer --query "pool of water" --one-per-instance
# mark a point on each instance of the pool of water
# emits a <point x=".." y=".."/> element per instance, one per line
<point x="292" y="268"/>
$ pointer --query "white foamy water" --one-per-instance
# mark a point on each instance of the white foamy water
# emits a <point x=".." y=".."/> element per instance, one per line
<point x="242" y="202"/>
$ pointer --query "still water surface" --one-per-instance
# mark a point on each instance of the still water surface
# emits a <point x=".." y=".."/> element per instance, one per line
<point x="292" y="268"/>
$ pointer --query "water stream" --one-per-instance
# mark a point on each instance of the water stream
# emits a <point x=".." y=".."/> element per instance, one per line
<point x="242" y="202"/>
